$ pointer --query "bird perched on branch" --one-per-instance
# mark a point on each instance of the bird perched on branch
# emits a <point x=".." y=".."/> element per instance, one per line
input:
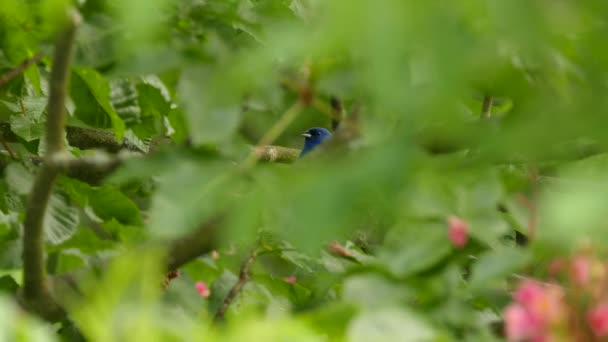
<point x="313" y="138"/>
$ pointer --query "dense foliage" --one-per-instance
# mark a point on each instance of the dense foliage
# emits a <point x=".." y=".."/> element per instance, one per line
<point x="468" y="158"/>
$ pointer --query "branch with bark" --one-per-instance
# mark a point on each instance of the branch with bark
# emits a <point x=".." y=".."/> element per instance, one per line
<point x="36" y="296"/>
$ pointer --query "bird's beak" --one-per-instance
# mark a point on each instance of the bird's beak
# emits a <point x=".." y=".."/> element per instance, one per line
<point x="306" y="134"/>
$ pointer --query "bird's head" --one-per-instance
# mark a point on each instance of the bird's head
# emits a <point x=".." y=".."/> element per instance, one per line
<point x="314" y="137"/>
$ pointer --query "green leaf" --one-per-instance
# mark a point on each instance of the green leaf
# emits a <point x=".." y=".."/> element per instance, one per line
<point x="19" y="179"/>
<point x="110" y="203"/>
<point x="8" y="284"/>
<point x="496" y="265"/>
<point x="60" y="219"/>
<point x="415" y="248"/>
<point x="28" y="121"/>
<point x="151" y="101"/>
<point x="90" y="92"/>
<point x="123" y="97"/>
<point x="182" y="203"/>
<point x="358" y="289"/>
<point x="390" y="324"/>
<point x="212" y="117"/>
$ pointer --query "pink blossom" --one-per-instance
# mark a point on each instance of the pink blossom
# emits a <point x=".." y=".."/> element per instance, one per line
<point x="290" y="279"/>
<point x="580" y="270"/>
<point x="544" y="303"/>
<point x="529" y="293"/>
<point x="458" y="231"/>
<point x="520" y="324"/>
<point x="202" y="289"/>
<point x="598" y="319"/>
<point x="215" y="254"/>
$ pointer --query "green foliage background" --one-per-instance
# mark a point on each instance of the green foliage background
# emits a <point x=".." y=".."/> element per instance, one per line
<point x="213" y="76"/>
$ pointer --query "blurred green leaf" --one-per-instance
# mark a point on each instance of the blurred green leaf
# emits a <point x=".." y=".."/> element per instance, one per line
<point x="404" y="258"/>
<point x="390" y="324"/>
<point x="496" y="266"/>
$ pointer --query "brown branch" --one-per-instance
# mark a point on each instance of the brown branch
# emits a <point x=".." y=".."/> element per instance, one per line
<point x="486" y="107"/>
<point x="4" y="79"/>
<point x="36" y="295"/>
<point x="244" y="276"/>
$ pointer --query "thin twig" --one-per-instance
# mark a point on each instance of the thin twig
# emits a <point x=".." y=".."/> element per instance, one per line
<point x="244" y="276"/>
<point x="35" y="290"/>
<point x="8" y="148"/>
<point x="4" y="79"/>
<point x="486" y="107"/>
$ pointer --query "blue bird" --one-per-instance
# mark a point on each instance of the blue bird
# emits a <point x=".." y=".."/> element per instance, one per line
<point x="314" y="137"/>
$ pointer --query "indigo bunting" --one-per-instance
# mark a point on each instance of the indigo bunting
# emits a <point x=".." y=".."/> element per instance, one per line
<point x="314" y="137"/>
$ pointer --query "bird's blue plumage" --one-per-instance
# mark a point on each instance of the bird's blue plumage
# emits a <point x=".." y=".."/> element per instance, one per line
<point x="313" y="138"/>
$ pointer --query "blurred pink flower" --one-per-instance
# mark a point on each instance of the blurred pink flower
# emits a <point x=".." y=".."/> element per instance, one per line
<point x="536" y="310"/>
<point x="598" y="320"/>
<point x="580" y="270"/>
<point x="520" y="324"/>
<point x="543" y="302"/>
<point x="202" y="289"/>
<point x="458" y="231"/>
<point x="215" y="254"/>
<point x="290" y="279"/>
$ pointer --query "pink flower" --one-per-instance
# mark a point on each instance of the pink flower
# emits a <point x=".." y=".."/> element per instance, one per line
<point x="290" y="279"/>
<point x="598" y="320"/>
<point x="520" y="324"/>
<point x="580" y="270"/>
<point x="202" y="289"/>
<point x="529" y="293"/>
<point x="544" y="303"/>
<point x="458" y="231"/>
<point x="215" y="254"/>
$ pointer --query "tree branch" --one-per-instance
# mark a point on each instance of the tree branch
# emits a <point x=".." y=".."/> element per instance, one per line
<point x="83" y="138"/>
<point x="4" y="79"/>
<point x="244" y="276"/>
<point x="276" y="154"/>
<point x="36" y="295"/>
